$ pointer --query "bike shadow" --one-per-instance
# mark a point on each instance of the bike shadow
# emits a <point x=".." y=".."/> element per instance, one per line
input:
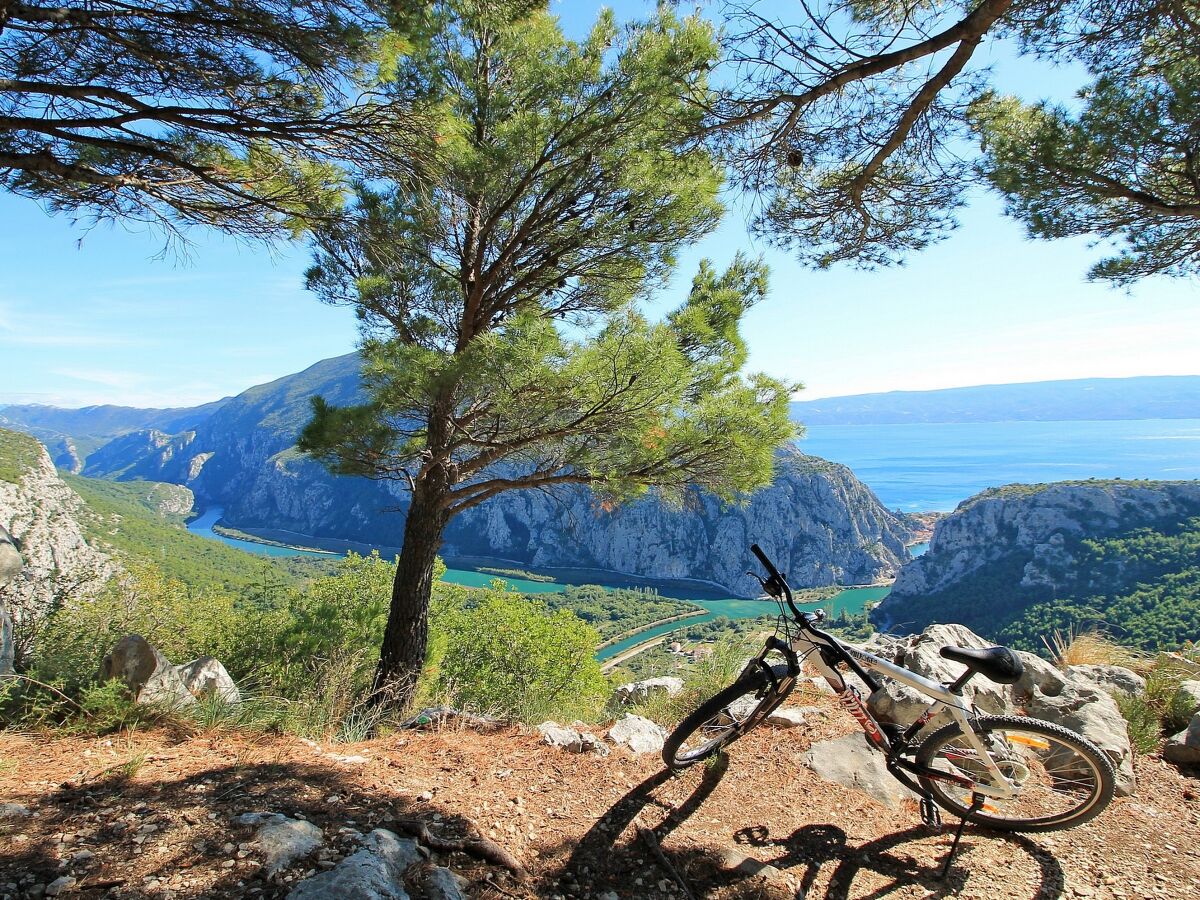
<point x="613" y="848"/>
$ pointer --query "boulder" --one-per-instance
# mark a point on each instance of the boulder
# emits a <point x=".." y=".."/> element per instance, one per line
<point x="442" y="884"/>
<point x="1184" y="748"/>
<point x="206" y="676"/>
<point x="148" y="674"/>
<point x="1087" y="710"/>
<point x="569" y="739"/>
<point x="1113" y="679"/>
<point x="638" y="734"/>
<point x="636" y="691"/>
<point x="374" y="873"/>
<point x="1191" y="693"/>
<point x="854" y="763"/>
<point x="1039" y="675"/>
<point x="921" y="654"/>
<point x="281" y="840"/>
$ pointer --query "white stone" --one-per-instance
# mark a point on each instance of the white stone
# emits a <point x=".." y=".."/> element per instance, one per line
<point x="1191" y="690"/>
<point x="281" y="840"/>
<point x="206" y="676"/>
<point x="1184" y="748"/>
<point x="638" y="734"/>
<point x="1112" y="679"/>
<point x="786" y="717"/>
<point x="636" y="691"/>
<point x="10" y="811"/>
<point x="374" y="873"/>
<point x="571" y="740"/>
<point x="60" y="884"/>
<point x="852" y="762"/>
<point x="1084" y="708"/>
<point x="148" y="674"/>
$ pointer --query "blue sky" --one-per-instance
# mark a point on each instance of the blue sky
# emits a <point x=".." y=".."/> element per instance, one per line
<point x="97" y="316"/>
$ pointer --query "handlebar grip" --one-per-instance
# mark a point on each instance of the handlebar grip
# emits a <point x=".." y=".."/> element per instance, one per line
<point x="762" y="558"/>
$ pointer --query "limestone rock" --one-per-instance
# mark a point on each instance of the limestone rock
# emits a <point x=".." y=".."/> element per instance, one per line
<point x="733" y="859"/>
<point x="374" y="873"/>
<point x="148" y="674"/>
<point x="281" y="840"/>
<point x="786" y="717"/>
<point x="852" y="762"/>
<point x="638" y="734"/>
<point x="59" y="885"/>
<point x="206" y="676"/>
<point x="571" y="740"/>
<point x="636" y="691"/>
<point x="1029" y="529"/>
<point x="1039" y="675"/>
<point x="1087" y="710"/>
<point x="1113" y="679"/>
<point x="921" y="654"/>
<point x="442" y="884"/>
<point x="1184" y="748"/>
<point x="43" y="514"/>
<point x="10" y="811"/>
<point x="1191" y="690"/>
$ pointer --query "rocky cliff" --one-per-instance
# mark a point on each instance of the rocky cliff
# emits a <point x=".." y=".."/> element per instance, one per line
<point x="42" y="513"/>
<point x="1011" y="548"/>
<point x="817" y="518"/>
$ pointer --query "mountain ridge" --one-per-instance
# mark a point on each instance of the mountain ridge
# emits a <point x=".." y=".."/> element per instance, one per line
<point x="828" y="527"/>
<point x="1094" y="399"/>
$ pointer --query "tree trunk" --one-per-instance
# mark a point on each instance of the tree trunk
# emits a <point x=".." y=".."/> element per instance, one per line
<point x="407" y="632"/>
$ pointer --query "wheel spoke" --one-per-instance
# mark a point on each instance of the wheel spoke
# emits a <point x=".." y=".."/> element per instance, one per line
<point x="1051" y="778"/>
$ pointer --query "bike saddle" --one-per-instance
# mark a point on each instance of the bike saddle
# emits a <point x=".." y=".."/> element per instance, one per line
<point x="998" y="664"/>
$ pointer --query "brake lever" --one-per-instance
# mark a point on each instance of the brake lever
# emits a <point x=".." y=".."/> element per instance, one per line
<point x="768" y="585"/>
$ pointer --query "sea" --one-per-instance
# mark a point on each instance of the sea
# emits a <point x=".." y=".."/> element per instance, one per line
<point x="934" y="467"/>
<point x="919" y="468"/>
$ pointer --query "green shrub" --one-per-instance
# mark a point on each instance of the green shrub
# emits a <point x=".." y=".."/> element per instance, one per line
<point x="506" y="655"/>
<point x="96" y="709"/>
<point x="1144" y="724"/>
<point x="1162" y="708"/>
<point x="180" y="623"/>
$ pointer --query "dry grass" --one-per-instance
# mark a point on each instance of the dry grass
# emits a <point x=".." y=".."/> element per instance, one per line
<point x="1092" y="648"/>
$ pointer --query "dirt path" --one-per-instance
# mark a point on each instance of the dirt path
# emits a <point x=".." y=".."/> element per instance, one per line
<point x="148" y="815"/>
<point x="610" y="664"/>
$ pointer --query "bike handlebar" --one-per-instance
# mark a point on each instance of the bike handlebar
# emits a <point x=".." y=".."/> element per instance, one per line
<point x="767" y="564"/>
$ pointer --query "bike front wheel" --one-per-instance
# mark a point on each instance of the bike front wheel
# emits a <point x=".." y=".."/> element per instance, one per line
<point x="722" y="719"/>
<point x="1060" y="778"/>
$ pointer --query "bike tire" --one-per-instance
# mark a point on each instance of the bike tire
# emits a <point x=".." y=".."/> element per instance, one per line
<point x="725" y="725"/>
<point x="1054" y="766"/>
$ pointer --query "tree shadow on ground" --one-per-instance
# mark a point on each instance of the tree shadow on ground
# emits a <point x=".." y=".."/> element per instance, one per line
<point x="816" y="860"/>
<point x="147" y="838"/>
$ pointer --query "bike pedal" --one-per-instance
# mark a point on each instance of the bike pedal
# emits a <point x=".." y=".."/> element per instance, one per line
<point x="930" y="815"/>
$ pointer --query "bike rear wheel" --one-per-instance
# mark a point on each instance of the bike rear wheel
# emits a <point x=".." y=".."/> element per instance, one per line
<point x="722" y="719"/>
<point x="1061" y="779"/>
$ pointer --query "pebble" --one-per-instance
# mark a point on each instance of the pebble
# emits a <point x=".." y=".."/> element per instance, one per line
<point x="58" y="885"/>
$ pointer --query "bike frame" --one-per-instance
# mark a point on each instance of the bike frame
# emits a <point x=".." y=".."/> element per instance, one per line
<point x="827" y="652"/>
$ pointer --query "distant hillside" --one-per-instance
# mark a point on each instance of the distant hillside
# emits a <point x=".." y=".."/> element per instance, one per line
<point x="1017" y="563"/>
<point x="823" y="524"/>
<point x="70" y="435"/>
<point x="1152" y="397"/>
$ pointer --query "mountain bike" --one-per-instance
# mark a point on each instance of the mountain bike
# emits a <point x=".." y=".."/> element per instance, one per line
<point x="1008" y="773"/>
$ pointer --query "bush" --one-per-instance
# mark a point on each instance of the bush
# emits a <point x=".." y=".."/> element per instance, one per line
<point x="144" y="601"/>
<point x="506" y="655"/>
<point x="1161" y="709"/>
